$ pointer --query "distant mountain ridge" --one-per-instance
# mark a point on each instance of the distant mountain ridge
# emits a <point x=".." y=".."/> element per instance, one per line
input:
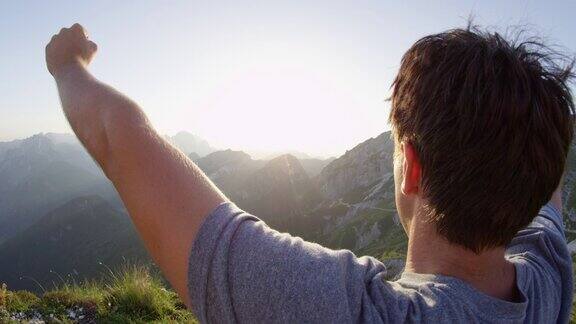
<point x="58" y="212"/>
<point x="40" y="173"/>
<point x="51" y="183"/>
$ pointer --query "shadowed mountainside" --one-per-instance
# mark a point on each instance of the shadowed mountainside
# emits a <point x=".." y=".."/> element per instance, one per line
<point x="75" y="241"/>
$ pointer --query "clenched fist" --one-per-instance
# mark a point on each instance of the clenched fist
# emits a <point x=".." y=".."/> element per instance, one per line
<point x="69" y="47"/>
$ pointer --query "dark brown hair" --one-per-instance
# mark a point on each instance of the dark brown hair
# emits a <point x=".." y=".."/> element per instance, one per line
<point x="491" y="121"/>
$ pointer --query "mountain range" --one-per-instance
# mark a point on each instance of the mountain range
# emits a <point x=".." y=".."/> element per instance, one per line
<point x="61" y="219"/>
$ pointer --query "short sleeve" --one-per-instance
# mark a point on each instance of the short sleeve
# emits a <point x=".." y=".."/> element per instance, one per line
<point x="542" y="249"/>
<point x="240" y="270"/>
<point x="543" y="237"/>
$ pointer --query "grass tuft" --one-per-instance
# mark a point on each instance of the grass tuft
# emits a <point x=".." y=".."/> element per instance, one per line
<point x="132" y="295"/>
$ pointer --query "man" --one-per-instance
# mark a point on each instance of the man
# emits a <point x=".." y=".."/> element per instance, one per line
<point x="482" y="130"/>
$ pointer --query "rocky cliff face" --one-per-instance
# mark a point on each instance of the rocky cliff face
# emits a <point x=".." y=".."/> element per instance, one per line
<point x="349" y="204"/>
<point x="358" y="209"/>
<point x="359" y="170"/>
<point x="569" y="197"/>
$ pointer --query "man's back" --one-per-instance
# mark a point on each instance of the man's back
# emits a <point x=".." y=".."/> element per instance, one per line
<point x="242" y="271"/>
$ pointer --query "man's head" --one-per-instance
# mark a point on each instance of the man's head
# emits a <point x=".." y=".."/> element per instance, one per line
<point x="482" y="128"/>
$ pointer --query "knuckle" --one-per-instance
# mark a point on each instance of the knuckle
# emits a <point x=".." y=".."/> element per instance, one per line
<point x="77" y="27"/>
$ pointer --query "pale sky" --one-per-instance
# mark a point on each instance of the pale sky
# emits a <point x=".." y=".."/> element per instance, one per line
<point x="310" y="75"/>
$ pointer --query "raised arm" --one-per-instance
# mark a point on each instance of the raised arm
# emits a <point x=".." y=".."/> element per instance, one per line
<point x="166" y="195"/>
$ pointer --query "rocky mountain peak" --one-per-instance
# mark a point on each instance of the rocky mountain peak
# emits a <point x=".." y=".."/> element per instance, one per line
<point x="286" y="164"/>
<point x="20" y="158"/>
<point x="38" y="144"/>
<point x="216" y="161"/>
<point x="359" y="169"/>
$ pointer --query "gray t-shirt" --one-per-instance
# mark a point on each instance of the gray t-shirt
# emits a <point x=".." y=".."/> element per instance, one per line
<point x="243" y="271"/>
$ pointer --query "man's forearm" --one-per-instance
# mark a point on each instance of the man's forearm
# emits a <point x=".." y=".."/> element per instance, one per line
<point x="102" y="118"/>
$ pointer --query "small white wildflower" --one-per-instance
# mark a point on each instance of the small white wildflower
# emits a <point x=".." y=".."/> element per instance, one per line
<point x="71" y="314"/>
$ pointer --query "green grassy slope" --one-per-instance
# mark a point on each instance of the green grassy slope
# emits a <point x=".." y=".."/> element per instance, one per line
<point x="133" y="295"/>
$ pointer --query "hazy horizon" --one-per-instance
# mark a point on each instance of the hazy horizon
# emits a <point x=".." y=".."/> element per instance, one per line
<point x="254" y="153"/>
<point x="257" y="76"/>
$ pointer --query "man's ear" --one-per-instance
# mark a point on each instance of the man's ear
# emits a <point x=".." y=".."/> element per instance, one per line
<point x="411" y="169"/>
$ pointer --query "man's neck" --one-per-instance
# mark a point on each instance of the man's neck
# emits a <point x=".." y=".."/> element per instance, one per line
<point x="489" y="271"/>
